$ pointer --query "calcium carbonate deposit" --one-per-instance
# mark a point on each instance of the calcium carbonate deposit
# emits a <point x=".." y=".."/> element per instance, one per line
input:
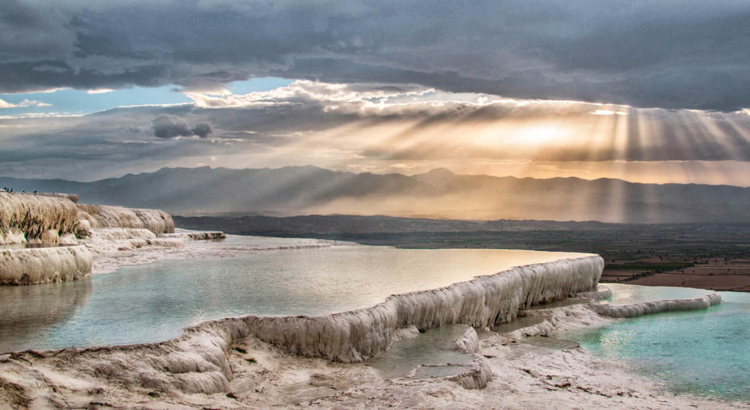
<point x="57" y="219"/>
<point x="35" y="218"/>
<point x="27" y="266"/>
<point x="105" y="216"/>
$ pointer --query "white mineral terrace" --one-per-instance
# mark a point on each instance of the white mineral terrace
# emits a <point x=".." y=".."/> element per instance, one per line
<point x="29" y="218"/>
<point x="481" y="302"/>
<point x="104" y="216"/>
<point x="35" y="265"/>
<point x="57" y="219"/>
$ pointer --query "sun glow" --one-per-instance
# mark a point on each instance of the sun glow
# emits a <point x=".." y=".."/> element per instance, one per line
<point x="539" y="135"/>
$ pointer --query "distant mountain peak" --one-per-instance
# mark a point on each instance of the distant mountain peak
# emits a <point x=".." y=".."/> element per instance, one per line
<point x="439" y="172"/>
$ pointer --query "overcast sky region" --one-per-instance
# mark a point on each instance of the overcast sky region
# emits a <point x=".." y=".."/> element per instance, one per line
<point x="650" y="91"/>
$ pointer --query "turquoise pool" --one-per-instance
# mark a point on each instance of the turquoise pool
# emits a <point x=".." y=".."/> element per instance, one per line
<point x="700" y="352"/>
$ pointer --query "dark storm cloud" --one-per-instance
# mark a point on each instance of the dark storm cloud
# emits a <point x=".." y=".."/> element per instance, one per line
<point x="40" y="75"/>
<point x="172" y="126"/>
<point x="670" y="54"/>
<point x="203" y="129"/>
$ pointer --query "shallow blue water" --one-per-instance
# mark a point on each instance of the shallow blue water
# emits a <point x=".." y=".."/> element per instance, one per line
<point x="154" y="302"/>
<point x="700" y="352"/>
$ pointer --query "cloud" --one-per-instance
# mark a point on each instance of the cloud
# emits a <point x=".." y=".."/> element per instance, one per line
<point x="667" y="54"/>
<point x="172" y="126"/>
<point x="608" y="112"/>
<point x="203" y="129"/>
<point x="99" y="91"/>
<point x="24" y="103"/>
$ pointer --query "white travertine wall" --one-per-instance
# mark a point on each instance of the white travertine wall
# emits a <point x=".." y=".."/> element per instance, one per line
<point x="197" y="235"/>
<point x="106" y="216"/>
<point x="11" y="236"/>
<point x="28" y="266"/>
<point x="35" y="218"/>
<point x="482" y="302"/>
<point x="46" y="219"/>
<point x="657" y="306"/>
<point x="72" y="197"/>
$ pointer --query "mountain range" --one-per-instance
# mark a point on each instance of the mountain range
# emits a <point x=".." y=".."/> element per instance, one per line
<point x="438" y="194"/>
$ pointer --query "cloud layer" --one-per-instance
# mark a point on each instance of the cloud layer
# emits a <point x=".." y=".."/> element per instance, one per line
<point x="667" y="54"/>
<point x="384" y="128"/>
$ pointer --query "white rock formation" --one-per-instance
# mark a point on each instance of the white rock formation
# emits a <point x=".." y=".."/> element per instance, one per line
<point x="469" y="342"/>
<point x="657" y="306"/>
<point x="117" y="234"/>
<point x="26" y="266"/>
<point x="36" y="217"/>
<point x="405" y="333"/>
<point x="601" y="293"/>
<point x="105" y="216"/>
<point x="11" y="236"/>
<point x="476" y="378"/>
<point x="56" y="219"/>
<point x="482" y="302"/>
<point x="113" y="247"/>
<point x="72" y="197"/>
<point x="196" y="235"/>
<point x="172" y="243"/>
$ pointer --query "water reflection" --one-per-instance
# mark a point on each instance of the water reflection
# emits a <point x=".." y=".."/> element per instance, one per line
<point x="28" y="312"/>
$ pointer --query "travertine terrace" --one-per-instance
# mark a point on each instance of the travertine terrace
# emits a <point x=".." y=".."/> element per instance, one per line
<point x="106" y="216"/>
<point x="30" y="218"/>
<point x="54" y="223"/>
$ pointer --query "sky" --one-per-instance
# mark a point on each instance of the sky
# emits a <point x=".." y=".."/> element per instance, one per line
<point x="643" y="91"/>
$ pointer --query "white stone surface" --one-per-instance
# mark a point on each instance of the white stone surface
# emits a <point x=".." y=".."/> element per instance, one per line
<point x="26" y="266"/>
<point x="35" y="216"/>
<point x="106" y="216"/>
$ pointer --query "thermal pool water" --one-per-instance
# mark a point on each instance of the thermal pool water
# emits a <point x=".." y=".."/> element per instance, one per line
<point x="154" y="302"/>
<point x="704" y="352"/>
